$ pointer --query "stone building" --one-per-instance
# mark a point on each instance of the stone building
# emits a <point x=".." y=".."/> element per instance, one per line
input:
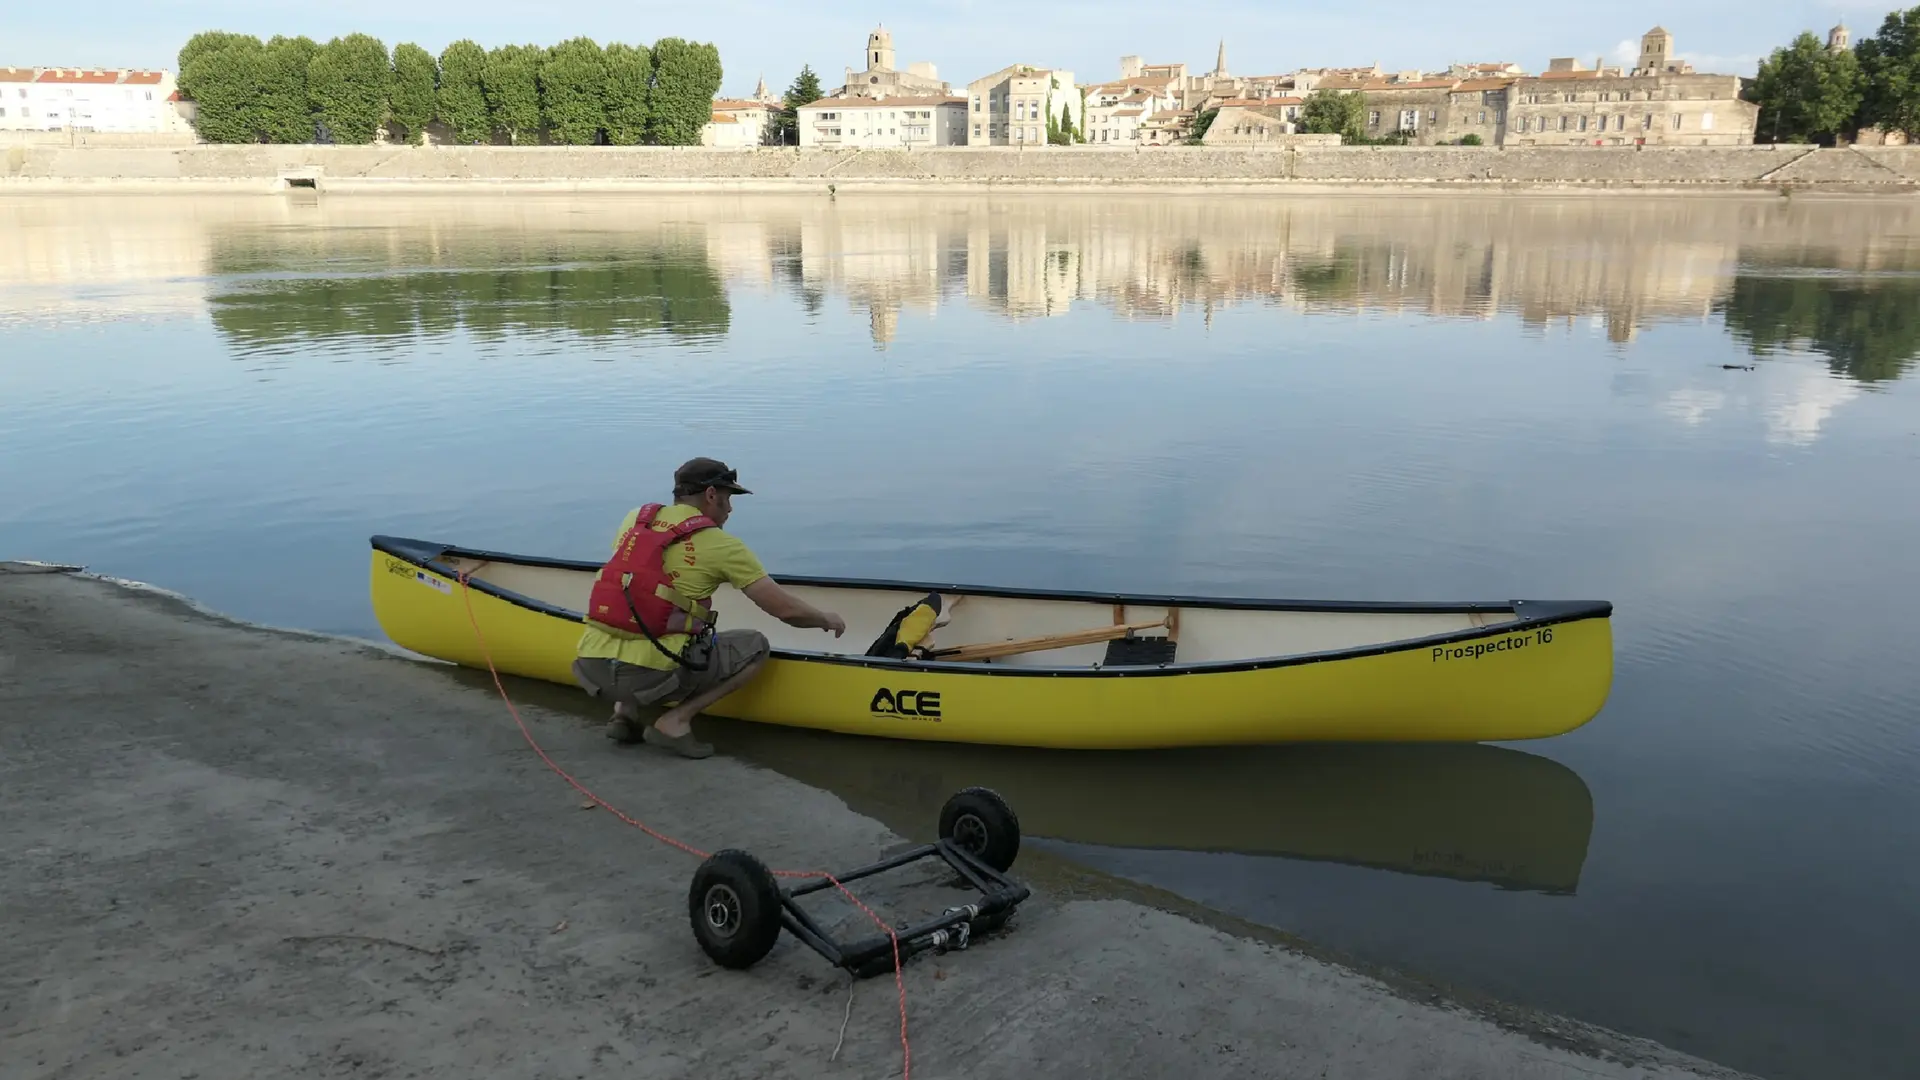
<point x="889" y="123"/>
<point x="1245" y="122"/>
<point x="1422" y="108"/>
<point x="1660" y="102"/>
<point x="1013" y="106"/>
<point x="1478" y="107"/>
<point x="882" y="79"/>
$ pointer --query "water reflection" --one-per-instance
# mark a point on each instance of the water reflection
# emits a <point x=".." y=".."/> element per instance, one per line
<point x="1867" y="329"/>
<point x="657" y="290"/>
<point x="1837" y="278"/>
<point x="1465" y="812"/>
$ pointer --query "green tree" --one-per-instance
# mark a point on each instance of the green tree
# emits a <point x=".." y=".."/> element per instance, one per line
<point x="1890" y="70"/>
<point x="206" y="41"/>
<point x="286" y="108"/>
<point x="804" y="91"/>
<point x="513" y="92"/>
<point x="1333" y="112"/>
<point x="686" y="75"/>
<point x="628" y="94"/>
<point x="461" y="104"/>
<point x="227" y="77"/>
<point x="349" y="81"/>
<point x="573" y="89"/>
<point x="414" y="77"/>
<point x="1061" y="132"/>
<point x="1202" y="121"/>
<point x="1806" y="93"/>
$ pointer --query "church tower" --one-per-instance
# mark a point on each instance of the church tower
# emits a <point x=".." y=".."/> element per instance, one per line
<point x="880" y="50"/>
<point x="1656" y="51"/>
<point x="1839" y="39"/>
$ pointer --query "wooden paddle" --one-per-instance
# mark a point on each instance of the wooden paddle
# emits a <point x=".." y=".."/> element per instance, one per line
<point x="987" y="650"/>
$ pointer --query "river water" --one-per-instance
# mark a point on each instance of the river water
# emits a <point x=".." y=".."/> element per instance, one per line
<point x="1702" y="409"/>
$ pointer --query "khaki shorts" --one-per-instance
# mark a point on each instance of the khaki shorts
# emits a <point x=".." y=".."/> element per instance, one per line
<point x="638" y="685"/>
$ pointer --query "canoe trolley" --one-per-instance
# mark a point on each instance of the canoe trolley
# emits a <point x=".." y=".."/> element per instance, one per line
<point x="738" y="908"/>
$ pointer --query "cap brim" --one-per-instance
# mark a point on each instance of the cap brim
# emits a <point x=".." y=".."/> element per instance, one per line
<point x="735" y="488"/>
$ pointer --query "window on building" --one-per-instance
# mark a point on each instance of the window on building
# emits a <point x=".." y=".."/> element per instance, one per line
<point x="976" y="104"/>
<point x="1706" y="120"/>
<point x="1373" y="117"/>
<point x="1564" y="122"/>
<point x="1646" y="122"/>
<point x="976" y="131"/>
<point x="1483" y="116"/>
<point x="1676" y="121"/>
<point x="1583" y="123"/>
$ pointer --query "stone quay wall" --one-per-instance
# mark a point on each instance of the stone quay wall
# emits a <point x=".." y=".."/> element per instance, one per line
<point x="368" y="168"/>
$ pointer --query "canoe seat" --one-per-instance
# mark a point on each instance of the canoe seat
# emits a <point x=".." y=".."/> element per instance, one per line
<point x="1139" y="652"/>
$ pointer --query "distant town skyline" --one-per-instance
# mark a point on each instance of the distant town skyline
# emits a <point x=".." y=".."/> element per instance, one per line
<point x="969" y="38"/>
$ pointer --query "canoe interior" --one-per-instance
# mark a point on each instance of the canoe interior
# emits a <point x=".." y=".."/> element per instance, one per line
<point x="1206" y="635"/>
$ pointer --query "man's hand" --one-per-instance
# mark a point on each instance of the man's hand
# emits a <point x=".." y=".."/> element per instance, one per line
<point x="834" y="623"/>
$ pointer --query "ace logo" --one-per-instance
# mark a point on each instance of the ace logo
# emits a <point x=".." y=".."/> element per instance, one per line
<point x="920" y="703"/>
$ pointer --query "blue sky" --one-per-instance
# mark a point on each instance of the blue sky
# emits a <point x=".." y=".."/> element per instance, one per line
<point x="968" y="38"/>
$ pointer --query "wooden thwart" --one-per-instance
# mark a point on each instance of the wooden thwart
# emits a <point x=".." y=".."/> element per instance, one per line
<point x="987" y="650"/>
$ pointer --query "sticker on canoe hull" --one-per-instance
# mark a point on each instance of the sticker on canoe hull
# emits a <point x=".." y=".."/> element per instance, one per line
<point x="1478" y="649"/>
<point x="914" y="704"/>
<point x="402" y="568"/>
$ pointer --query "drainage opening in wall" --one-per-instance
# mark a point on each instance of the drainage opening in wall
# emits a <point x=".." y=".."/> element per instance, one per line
<point x="308" y="182"/>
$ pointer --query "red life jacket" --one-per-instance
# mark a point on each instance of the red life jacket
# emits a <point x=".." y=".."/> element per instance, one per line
<point x="634" y="586"/>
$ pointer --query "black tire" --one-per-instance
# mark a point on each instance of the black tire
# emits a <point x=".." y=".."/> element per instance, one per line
<point x="981" y="823"/>
<point x="734" y="905"/>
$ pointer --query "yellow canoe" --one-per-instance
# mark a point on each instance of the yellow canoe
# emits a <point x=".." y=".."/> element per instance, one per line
<point x="1215" y="672"/>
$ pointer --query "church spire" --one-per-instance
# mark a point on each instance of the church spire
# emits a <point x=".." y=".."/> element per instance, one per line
<point x="1220" y="62"/>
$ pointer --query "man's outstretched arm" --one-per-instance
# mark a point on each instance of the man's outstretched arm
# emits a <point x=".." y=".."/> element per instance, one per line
<point x="771" y="597"/>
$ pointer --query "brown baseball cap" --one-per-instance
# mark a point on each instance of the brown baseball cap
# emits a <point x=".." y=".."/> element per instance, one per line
<point x="704" y="472"/>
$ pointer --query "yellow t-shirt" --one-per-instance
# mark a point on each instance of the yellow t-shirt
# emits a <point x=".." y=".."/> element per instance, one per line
<point x="698" y="565"/>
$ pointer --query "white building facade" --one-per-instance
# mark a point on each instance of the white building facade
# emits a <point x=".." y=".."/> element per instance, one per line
<point x="891" y="123"/>
<point x="1014" y="106"/>
<point x="739" y="122"/>
<point x="1116" y="110"/>
<point x="90" y="99"/>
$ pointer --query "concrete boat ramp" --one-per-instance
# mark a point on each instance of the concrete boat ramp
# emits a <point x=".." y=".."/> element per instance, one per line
<point x="240" y="852"/>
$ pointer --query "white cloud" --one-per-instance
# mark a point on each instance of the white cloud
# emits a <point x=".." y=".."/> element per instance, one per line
<point x="1692" y="405"/>
<point x="1803" y="404"/>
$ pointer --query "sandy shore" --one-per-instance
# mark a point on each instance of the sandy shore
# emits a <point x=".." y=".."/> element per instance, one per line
<point x="238" y="852"/>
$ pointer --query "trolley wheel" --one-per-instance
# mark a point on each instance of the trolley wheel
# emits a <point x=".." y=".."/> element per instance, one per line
<point x="734" y="905"/>
<point x="981" y="823"/>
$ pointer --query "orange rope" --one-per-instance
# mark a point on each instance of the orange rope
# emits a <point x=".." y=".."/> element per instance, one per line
<point x="906" y="1051"/>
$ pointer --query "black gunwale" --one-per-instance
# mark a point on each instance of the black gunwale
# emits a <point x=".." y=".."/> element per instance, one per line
<point x="1531" y="614"/>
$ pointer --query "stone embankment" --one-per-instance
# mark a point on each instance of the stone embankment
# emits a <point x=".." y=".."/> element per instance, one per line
<point x="236" y="852"/>
<point x="367" y="168"/>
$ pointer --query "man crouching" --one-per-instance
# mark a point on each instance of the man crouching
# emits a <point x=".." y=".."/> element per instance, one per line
<point x="649" y="633"/>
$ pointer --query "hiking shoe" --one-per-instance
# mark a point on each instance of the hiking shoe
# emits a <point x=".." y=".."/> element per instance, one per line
<point x="685" y="745"/>
<point x="621" y="730"/>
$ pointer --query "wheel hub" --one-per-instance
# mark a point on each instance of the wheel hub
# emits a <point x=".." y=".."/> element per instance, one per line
<point x="970" y="833"/>
<point x="723" y="910"/>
